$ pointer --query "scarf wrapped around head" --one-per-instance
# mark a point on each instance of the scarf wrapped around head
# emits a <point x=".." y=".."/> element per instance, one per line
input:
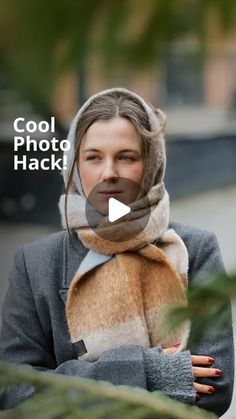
<point x="124" y="286"/>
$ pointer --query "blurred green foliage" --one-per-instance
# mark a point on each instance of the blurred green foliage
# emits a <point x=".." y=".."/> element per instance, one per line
<point x="63" y="397"/>
<point x="40" y="39"/>
<point x="208" y="305"/>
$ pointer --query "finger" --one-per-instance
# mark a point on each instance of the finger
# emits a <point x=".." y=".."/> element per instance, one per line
<point x="202" y="388"/>
<point x="206" y="372"/>
<point x="202" y="360"/>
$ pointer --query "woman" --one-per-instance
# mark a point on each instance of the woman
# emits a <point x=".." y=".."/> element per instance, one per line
<point x="88" y="303"/>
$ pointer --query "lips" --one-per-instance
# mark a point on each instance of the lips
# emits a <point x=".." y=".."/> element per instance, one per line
<point x="110" y="192"/>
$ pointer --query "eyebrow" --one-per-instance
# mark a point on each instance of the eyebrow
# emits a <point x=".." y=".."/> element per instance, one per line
<point x="125" y="150"/>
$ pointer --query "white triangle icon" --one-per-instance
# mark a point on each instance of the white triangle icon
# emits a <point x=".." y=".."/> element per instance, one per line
<point x="116" y="209"/>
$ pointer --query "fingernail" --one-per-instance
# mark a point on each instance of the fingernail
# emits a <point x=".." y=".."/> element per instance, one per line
<point x="211" y="361"/>
<point x="177" y="345"/>
<point x="211" y="390"/>
<point x="218" y="372"/>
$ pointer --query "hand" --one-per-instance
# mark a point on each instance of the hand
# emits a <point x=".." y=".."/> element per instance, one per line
<point x="200" y="372"/>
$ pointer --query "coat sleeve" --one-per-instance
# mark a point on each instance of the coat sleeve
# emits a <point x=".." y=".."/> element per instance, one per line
<point x="219" y="344"/>
<point x="22" y="341"/>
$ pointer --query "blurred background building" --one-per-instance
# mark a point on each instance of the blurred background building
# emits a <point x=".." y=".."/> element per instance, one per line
<point x="180" y="56"/>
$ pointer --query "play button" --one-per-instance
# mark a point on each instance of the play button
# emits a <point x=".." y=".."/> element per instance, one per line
<point x="115" y="202"/>
<point x="116" y="210"/>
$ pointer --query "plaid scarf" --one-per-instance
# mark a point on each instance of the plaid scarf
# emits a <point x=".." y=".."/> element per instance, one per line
<point x="122" y="289"/>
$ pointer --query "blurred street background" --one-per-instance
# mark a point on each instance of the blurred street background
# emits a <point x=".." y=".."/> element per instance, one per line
<point x="179" y="55"/>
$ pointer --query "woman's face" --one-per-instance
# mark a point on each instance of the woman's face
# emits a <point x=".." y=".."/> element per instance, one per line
<point x="111" y="149"/>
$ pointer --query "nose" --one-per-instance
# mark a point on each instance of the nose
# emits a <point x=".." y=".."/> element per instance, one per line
<point x="110" y="171"/>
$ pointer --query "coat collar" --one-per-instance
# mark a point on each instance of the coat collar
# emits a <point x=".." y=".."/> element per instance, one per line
<point x="73" y="253"/>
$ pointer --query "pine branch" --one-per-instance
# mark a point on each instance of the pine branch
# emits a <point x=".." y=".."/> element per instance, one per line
<point x="208" y="305"/>
<point x="63" y="397"/>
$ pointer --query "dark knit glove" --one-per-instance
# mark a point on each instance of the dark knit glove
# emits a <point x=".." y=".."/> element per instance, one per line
<point x="170" y="373"/>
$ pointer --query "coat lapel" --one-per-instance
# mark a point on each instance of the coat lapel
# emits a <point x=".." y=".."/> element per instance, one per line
<point x="73" y="253"/>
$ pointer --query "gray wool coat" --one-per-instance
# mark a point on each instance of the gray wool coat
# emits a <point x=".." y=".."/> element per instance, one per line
<point x="34" y="329"/>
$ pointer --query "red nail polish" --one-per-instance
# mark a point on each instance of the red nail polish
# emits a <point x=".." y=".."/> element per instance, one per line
<point x="177" y="345"/>
<point x="211" y="361"/>
<point x="218" y="372"/>
<point x="211" y="390"/>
